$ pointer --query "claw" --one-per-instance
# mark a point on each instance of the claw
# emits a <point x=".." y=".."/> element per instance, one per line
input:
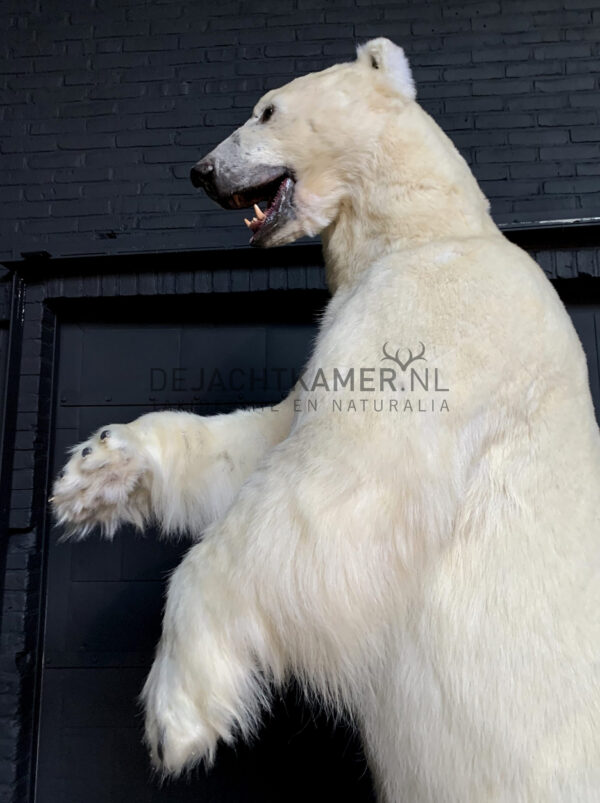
<point x="160" y="751"/>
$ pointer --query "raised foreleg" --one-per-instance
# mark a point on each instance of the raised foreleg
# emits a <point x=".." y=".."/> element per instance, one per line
<point x="178" y="470"/>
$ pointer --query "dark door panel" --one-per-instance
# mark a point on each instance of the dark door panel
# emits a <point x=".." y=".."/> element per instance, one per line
<point x="586" y="319"/>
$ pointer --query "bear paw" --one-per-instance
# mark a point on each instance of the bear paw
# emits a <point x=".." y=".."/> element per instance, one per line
<point x="103" y="484"/>
<point x="178" y="732"/>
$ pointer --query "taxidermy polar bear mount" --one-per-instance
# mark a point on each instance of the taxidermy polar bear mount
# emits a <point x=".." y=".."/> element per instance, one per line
<point x="434" y="574"/>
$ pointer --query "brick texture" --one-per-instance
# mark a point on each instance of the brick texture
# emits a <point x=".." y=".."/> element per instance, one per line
<point x="105" y="105"/>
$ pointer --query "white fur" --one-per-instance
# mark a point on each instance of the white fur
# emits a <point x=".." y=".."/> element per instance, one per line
<point x="381" y="54"/>
<point x="436" y="575"/>
<point x="174" y="469"/>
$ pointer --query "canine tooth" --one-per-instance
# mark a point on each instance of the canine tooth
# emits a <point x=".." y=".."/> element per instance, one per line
<point x="259" y="213"/>
<point x="247" y="222"/>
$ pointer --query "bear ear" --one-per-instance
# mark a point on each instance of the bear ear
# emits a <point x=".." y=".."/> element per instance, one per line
<point x="383" y="55"/>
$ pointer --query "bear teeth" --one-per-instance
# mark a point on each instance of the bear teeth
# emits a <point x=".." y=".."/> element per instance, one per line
<point x="257" y="220"/>
<point x="253" y="224"/>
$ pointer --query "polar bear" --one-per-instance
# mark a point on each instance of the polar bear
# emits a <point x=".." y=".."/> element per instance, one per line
<point x="421" y="550"/>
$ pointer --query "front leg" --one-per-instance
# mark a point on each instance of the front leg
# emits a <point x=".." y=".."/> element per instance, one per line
<point x="272" y="590"/>
<point x="175" y="469"/>
<point x="222" y="642"/>
<point x="206" y="682"/>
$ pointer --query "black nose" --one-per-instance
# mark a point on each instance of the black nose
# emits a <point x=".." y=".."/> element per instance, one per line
<point x="202" y="174"/>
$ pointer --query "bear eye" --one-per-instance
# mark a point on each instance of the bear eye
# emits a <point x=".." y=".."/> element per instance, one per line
<point x="267" y="114"/>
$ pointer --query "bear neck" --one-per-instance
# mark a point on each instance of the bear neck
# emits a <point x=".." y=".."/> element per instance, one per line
<point x="414" y="190"/>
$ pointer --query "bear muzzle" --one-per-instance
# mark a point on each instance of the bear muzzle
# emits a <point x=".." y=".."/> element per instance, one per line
<point x="246" y="187"/>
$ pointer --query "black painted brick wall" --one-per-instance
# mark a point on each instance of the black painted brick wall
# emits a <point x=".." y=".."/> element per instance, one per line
<point x="105" y="104"/>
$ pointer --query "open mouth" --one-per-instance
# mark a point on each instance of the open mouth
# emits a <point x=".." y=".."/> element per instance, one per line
<point x="276" y="195"/>
<point x="271" y="185"/>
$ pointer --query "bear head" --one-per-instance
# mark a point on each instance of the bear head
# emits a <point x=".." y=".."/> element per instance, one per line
<point x="302" y="148"/>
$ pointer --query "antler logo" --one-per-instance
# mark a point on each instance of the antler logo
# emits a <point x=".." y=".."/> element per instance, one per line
<point x="398" y="361"/>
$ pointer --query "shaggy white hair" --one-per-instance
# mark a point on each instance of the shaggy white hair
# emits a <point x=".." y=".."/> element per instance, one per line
<point x="435" y="574"/>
